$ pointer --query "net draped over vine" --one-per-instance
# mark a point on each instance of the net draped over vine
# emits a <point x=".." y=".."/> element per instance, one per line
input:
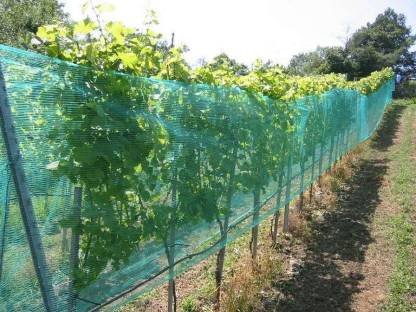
<point x="169" y="172"/>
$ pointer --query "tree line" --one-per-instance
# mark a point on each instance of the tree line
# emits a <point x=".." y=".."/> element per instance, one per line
<point x="386" y="42"/>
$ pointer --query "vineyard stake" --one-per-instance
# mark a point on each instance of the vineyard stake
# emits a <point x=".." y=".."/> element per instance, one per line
<point x="74" y="256"/>
<point x="301" y="199"/>
<point x="312" y="173"/>
<point x="321" y="151"/>
<point x="64" y="245"/>
<point x="255" y="228"/>
<point x="310" y="192"/>
<point x="302" y="181"/>
<point x="275" y="220"/>
<point x="172" y="240"/>
<point x="287" y="195"/>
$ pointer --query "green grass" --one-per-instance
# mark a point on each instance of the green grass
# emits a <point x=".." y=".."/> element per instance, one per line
<point x="402" y="283"/>
<point x="189" y="304"/>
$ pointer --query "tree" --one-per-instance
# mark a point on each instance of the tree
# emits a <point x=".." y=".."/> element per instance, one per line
<point x="336" y="60"/>
<point x="407" y="65"/>
<point x="384" y="43"/>
<point x="20" y="18"/>
<point x="323" y="60"/>
<point x="223" y="60"/>
<point x="306" y="63"/>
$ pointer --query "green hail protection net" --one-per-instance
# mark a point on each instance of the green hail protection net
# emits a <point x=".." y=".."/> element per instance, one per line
<point x="134" y="180"/>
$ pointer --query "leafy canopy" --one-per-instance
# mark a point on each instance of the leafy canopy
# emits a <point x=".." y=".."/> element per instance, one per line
<point x="384" y="43"/>
<point x="21" y="19"/>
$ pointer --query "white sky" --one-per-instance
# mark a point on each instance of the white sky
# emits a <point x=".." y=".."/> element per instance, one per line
<point x="249" y="29"/>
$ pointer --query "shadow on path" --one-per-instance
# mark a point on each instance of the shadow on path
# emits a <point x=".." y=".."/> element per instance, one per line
<point x="329" y="274"/>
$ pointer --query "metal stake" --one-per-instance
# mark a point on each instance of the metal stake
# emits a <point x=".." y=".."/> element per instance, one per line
<point x="25" y="201"/>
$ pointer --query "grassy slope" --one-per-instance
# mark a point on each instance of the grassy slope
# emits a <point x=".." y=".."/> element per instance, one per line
<point x="402" y="174"/>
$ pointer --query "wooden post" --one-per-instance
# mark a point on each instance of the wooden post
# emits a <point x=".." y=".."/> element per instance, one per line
<point x="74" y="253"/>
<point x="343" y="143"/>
<point x="255" y="229"/>
<point x="172" y="240"/>
<point x="301" y="200"/>
<point x="286" y="219"/>
<point x="321" y="151"/>
<point x="310" y="192"/>
<point x="331" y="151"/>
<point x="336" y="153"/>
<point x="287" y="195"/>
<point x="312" y="173"/>
<point x="25" y="201"/>
<point x="275" y="220"/>
<point x="302" y="182"/>
<point x="337" y="147"/>
<point x="64" y="245"/>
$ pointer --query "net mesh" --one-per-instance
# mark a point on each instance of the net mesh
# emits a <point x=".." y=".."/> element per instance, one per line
<point x="169" y="173"/>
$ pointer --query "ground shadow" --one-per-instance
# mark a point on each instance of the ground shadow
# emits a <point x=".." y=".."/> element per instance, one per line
<point x="325" y="280"/>
<point x="384" y="136"/>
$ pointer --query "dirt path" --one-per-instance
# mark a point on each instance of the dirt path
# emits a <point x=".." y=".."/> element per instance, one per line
<point x="346" y="264"/>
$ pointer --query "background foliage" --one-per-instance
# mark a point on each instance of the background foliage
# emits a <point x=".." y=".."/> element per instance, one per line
<point x="21" y="18"/>
<point x="386" y="42"/>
